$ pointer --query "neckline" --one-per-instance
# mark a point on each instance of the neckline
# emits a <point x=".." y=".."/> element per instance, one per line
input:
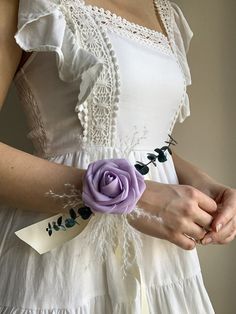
<point x="147" y="29"/>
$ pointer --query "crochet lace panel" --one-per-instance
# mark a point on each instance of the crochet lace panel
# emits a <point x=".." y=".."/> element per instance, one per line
<point x="37" y="133"/>
<point x="139" y="33"/>
<point x="98" y="114"/>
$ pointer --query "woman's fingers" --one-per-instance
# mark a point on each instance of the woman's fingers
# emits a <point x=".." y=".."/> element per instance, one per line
<point x="204" y="201"/>
<point x="201" y="208"/>
<point x="203" y="219"/>
<point x="223" y="236"/>
<point x="226" y="209"/>
<point x="229" y="239"/>
<point x="161" y="231"/>
<point x="195" y="231"/>
<point x="182" y="241"/>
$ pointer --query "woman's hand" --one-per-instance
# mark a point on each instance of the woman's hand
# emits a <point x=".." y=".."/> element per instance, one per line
<point x="225" y="217"/>
<point x="183" y="210"/>
<point x="224" y="222"/>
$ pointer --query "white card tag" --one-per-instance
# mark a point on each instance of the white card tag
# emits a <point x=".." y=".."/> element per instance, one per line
<point x="38" y="238"/>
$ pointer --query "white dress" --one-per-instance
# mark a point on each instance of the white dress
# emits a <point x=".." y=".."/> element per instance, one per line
<point x="108" y="80"/>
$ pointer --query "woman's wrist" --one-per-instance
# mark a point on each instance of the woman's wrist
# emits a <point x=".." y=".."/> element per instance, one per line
<point x="203" y="183"/>
<point x="189" y="174"/>
<point x="80" y="174"/>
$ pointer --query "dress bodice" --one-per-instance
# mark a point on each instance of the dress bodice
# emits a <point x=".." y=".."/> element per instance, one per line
<point x="108" y="78"/>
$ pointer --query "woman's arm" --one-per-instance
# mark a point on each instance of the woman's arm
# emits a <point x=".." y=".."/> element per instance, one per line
<point x="10" y="52"/>
<point x="192" y="175"/>
<point x="24" y="178"/>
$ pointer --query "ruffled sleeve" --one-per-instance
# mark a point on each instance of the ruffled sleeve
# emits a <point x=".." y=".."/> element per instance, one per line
<point x="42" y="27"/>
<point x="182" y="36"/>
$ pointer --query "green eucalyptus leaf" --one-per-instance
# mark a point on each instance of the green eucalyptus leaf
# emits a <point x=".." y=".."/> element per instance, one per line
<point x="151" y="157"/>
<point x="142" y="169"/>
<point x="73" y="213"/>
<point x="140" y="163"/>
<point x="55" y="226"/>
<point x="158" y="150"/>
<point x="69" y="222"/>
<point x="59" y="221"/>
<point x="162" y="157"/>
<point x="164" y="148"/>
<point x="85" y="212"/>
<point x="169" y="150"/>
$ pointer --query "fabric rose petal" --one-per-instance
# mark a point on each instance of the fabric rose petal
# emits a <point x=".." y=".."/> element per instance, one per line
<point x="112" y="186"/>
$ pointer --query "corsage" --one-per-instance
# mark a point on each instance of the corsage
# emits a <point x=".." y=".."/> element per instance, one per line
<point x="110" y="186"/>
<point x="99" y="213"/>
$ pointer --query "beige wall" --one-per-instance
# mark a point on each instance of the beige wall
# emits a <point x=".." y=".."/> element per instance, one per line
<point x="207" y="138"/>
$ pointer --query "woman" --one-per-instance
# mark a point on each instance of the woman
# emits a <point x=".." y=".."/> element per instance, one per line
<point x="108" y="74"/>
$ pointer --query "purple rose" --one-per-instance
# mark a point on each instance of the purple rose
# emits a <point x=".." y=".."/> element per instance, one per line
<point x="112" y="186"/>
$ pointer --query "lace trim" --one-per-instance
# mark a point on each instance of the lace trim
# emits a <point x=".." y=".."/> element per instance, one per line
<point x="123" y="27"/>
<point x="37" y="132"/>
<point x="101" y="106"/>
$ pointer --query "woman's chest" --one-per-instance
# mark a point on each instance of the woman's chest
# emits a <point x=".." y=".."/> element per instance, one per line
<point x="144" y="13"/>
